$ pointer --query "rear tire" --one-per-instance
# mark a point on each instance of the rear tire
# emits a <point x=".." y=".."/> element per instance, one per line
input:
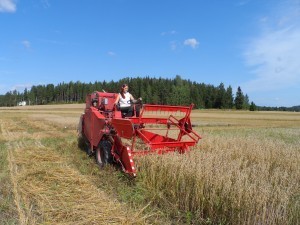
<point x="103" y="153"/>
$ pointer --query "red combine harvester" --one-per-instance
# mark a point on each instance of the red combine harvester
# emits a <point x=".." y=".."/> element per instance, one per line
<point x="114" y="138"/>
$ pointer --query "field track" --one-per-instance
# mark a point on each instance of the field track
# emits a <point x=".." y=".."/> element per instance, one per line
<point x="46" y="187"/>
<point x="245" y="170"/>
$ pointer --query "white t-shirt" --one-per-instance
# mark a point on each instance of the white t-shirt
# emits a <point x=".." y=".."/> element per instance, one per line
<point x="125" y="102"/>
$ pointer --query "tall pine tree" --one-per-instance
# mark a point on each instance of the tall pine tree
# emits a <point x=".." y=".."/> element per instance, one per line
<point x="239" y="99"/>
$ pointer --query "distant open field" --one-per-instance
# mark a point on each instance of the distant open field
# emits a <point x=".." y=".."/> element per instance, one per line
<point x="245" y="170"/>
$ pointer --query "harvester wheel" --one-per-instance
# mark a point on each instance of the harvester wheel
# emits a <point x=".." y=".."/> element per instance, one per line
<point x="103" y="153"/>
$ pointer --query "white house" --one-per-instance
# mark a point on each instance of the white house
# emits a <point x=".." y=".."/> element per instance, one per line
<point x="23" y="103"/>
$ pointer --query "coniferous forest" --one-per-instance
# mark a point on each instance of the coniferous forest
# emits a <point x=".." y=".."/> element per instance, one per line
<point x="164" y="91"/>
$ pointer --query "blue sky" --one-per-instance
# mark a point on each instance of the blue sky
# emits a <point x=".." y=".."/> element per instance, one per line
<point x="254" y="44"/>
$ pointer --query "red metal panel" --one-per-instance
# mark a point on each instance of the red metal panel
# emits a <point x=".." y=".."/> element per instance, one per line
<point x="124" y="127"/>
<point x="173" y="144"/>
<point x="106" y="100"/>
<point x="117" y="114"/>
<point x="87" y="124"/>
<point x="98" y="124"/>
<point x="166" y="108"/>
<point x="127" y="161"/>
<point x="154" y="138"/>
<point x="149" y="120"/>
<point x="124" y="156"/>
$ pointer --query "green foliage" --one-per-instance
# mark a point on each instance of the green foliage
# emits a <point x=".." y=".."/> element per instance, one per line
<point x="239" y="99"/>
<point x="7" y="206"/>
<point x="220" y="97"/>
<point x="228" y="98"/>
<point x="252" y="107"/>
<point x="153" y="91"/>
<point x="246" y="104"/>
<point x="268" y="108"/>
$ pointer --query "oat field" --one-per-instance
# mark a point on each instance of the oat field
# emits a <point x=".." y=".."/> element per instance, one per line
<point x="245" y="170"/>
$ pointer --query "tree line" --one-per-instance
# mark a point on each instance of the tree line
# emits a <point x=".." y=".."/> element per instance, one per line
<point x="282" y="108"/>
<point x="163" y="91"/>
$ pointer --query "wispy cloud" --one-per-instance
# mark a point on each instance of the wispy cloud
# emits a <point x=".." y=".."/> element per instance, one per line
<point x="172" y="32"/>
<point x="6" y="72"/>
<point x="7" y="6"/>
<point x="18" y="87"/>
<point x="21" y="87"/>
<point x="243" y="2"/>
<point x="110" y="53"/>
<point x="192" y="42"/>
<point x="3" y="89"/>
<point x="274" y="55"/>
<point x="26" y="44"/>
<point x="173" y="45"/>
<point x="54" y="42"/>
<point x="45" y="4"/>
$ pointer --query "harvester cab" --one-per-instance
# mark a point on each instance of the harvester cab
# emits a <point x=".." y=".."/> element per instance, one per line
<point x="111" y="137"/>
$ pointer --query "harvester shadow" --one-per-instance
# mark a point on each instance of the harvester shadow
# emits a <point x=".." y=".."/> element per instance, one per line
<point x="83" y="145"/>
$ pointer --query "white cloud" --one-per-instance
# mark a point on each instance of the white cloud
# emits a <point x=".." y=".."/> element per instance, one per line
<point x="274" y="55"/>
<point x="172" y="32"/>
<point x="173" y="45"/>
<point x="243" y="2"/>
<point x="192" y="42"/>
<point x="48" y="41"/>
<point x="110" y="53"/>
<point x="7" y="6"/>
<point x="2" y="89"/>
<point x="26" y="44"/>
<point x="45" y="3"/>
<point x="21" y="87"/>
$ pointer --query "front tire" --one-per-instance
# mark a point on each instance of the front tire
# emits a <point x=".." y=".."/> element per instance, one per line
<point x="103" y="153"/>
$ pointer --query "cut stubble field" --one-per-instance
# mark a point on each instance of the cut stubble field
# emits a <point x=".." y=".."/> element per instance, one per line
<point x="245" y="170"/>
